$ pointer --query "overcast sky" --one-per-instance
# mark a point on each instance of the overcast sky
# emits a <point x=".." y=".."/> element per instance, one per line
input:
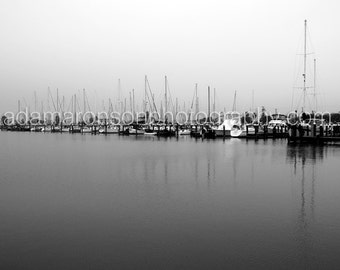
<point x="230" y="45"/>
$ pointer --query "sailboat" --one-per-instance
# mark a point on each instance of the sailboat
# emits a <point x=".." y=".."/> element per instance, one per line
<point x="304" y="126"/>
<point x="109" y="130"/>
<point x="232" y="119"/>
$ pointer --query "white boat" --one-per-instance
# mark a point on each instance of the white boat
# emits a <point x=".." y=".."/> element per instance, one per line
<point x="136" y="131"/>
<point x="184" y="132"/>
<point x="86" y="130"/>
<point x="239" y="131"/>
<point x="225" y="127"/>
<point x="46" y="129"/>
<point x="276" y="124"/>
<point x="36" y="129"/>
<point x="150" y="133"/>
<point x="232" y="118"/>
<point x="110" y="130"/>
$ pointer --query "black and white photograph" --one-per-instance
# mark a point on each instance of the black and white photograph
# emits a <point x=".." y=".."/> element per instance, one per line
<point x="175" y="135"/>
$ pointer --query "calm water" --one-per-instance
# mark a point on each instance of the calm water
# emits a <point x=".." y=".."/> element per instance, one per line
<point x="96" y="202"/>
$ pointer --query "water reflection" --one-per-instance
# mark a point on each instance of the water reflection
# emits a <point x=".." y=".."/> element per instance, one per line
<point x="305" y="160"/>
<point x="306" y="154"/>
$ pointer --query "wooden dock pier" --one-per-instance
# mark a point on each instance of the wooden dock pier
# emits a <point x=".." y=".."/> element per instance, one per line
<point x="314" y="134"/>
<point x="311" y="134"/>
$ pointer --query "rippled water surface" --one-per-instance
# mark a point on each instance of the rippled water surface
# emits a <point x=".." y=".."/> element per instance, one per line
<point x="114" y="202"/>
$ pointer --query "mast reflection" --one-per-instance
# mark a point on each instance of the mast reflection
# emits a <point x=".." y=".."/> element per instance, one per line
<point x="304" y="160"/>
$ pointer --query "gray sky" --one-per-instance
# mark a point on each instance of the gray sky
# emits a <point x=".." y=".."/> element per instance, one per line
<point x="230" y="45"/>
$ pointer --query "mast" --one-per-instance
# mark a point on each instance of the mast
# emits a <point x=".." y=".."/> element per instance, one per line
<point x="130" y="101"/>
<point x="176" y="108"/>
<point x="42" y="112"/>
<point x="196" y="99"/>
<point x="84" y="100"/>
<point x="304" y="67"/>
<point x="120" y="97"/>
<point x="252" y="101"/>
<point x="133" y="102"/>
<point x="209" y="103"/>
<point x="74" y="108"/>
<point x="145" y="87"/>
<point x="57" y="100"/>
<point x="35" y="101"/>
<point x="48" y="99"/>
<point x="234" y="103"/>
<point x="165" y="99"/>
<point x="161" y="111"/>
<point x="315" y="101"/>
<point x="214" y="106"/>
<point x="166" y="95"/>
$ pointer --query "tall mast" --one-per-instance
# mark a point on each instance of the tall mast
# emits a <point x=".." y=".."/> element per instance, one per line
<point x="166" y="95"/>
<point x="84" y="100"/>
<point x="304" y="67"/>
<point x="133" y="102"/>
<point x="42" y="111"/>
<point x="166" y="98"/>
<point x="214" y="107"/>
<point x="57" y="100"/>
<point x="176" y="108"/>
<point x="252" y="101"/>
<point x="48" y="98"/>
<point x="316" y="104"/>
<point x="196" y="99"/>
<point x="120" y="104"/>
<point x="234" y="103"/>
<point x="35" y="101"/>
<point x="130" y="101"/>
<point x="209" y="103"/>
<point x="145" y="87"/>
<point x="74" y="109"/>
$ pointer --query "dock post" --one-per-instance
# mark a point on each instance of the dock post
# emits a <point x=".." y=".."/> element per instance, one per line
<point x="177" y="130"/>
<point x="223" y="132"/>
<point x="321" y="131"/>
<point x="307" y="130"/>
